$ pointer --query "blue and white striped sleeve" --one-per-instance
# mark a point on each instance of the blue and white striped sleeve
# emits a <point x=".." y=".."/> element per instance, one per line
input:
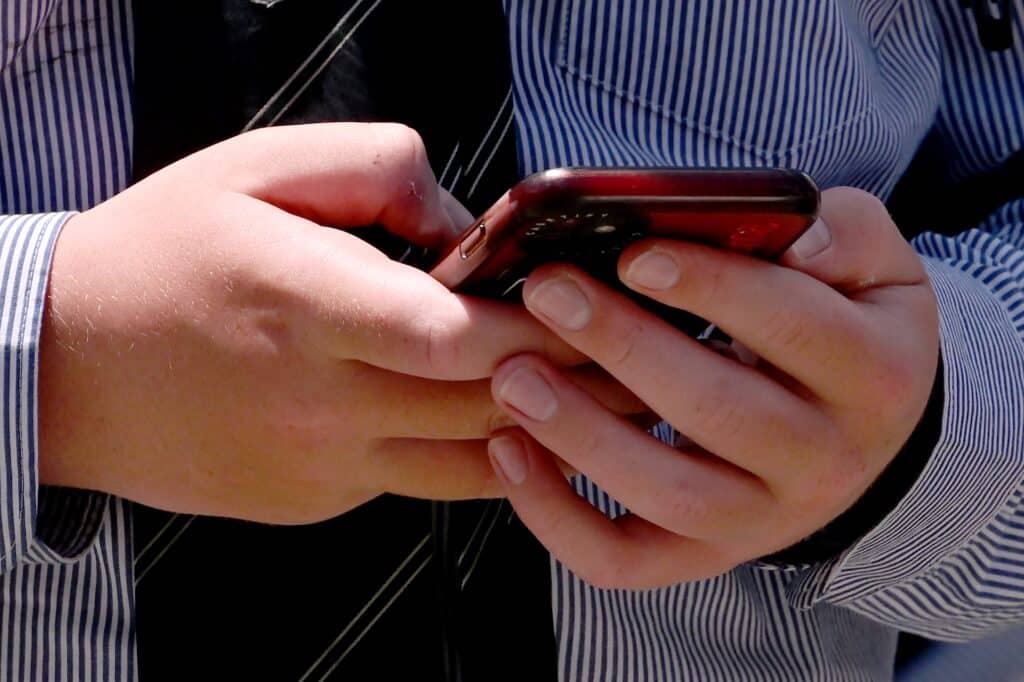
<point x="948" y="561"/>
<point x="37" y="525"/>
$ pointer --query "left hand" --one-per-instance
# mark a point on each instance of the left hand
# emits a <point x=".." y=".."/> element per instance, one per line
<point x="846" y="329"/>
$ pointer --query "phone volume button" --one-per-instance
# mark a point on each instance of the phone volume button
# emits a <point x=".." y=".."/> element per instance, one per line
<point x="472" y="242"/>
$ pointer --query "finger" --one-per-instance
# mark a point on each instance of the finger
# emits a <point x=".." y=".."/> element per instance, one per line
<point x="627" y="552"/>
<point x="433" y="469"/>
<point x="397" y="405"/>
<point x="348" y="301"/>
<point x="694" y="495"/>
<point x="341" y="174"/>
<point x="804" y="325"/>
<point x="415" y="326"/>
<point x="726" y="407"/>
<point x="855" y="245"/>
<point x="798" y="324"/>
<point x="412" y="407"/>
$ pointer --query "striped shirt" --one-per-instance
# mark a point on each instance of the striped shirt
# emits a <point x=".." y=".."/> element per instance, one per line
<point x="845" y="89"/>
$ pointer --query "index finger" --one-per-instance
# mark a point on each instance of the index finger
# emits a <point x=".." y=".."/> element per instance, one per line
<point x="806" y="319"/>
<point x="399" y="318"/>
<point x="346" y="300"/>
<point x="440" y="335"/>
<point x="342" y="175"/>
<point x="798" y="324"/>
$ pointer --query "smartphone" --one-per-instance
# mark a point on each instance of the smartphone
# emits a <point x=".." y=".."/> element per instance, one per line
<point x="587" y="216"/>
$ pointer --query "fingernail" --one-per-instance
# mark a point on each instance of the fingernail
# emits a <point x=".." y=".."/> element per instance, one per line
<point x="813" y="241"/>
<point x="527" y="391"/>
<point x="509" y="458"/>
<point x="562" y="301"/>
<point x="654" y="270"/>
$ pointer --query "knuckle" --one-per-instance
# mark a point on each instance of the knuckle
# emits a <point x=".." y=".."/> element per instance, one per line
<point x="815" y="472"/>
<point x="832" y="479"/>
<point x="588" y="443"/>
<point x="406" y="147"/>
<point x="431" y="333"/>
<point x="715" y="413"/>
<point x="689" y="512"/>
<point x="789" y="330"/>
<point x="817" y="492"/>
<point x="406" y="170"/>
<point x="440" y="346"/>
<point x="624" y="350"/>
<point x="835" y="486"/>
<point x="892" y="385"/>
<point x="712" y="284"/>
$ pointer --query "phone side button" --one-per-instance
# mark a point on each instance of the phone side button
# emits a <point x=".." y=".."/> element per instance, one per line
<point x="473" y="241"/>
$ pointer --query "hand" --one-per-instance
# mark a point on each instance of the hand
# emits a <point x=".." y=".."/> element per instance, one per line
<point x="207" y="350"/>
<point x="846" y="328"/>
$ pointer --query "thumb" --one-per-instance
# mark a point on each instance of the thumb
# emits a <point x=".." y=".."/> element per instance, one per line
<point x="340" y="175"/>
<point x="854" y="245"/>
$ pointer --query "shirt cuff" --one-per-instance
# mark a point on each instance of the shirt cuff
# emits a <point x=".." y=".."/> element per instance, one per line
<point x="975" y="468"/>
<point x="51" y="525"/>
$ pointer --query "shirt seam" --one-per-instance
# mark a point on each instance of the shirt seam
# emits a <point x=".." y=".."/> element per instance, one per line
<point x="716" y="133"/>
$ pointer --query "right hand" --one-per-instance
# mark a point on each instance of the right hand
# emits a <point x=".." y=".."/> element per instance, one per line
<point x="207" y="350"/>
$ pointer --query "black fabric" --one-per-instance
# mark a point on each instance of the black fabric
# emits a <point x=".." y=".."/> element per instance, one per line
<point x="993" y="21"/>
<point x="222" y="599"/>
<point x="433" y="66"/>
<point x="928" y="199"/>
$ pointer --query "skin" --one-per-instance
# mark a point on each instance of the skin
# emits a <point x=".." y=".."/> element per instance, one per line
<point x="846" y="329"/>
<point x="209" y="346"/>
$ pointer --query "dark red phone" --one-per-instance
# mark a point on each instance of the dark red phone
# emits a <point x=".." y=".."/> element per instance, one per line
<point x="587" y="216"/>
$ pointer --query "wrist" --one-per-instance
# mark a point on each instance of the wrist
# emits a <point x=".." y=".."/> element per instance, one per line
<point x="61" y="356"/>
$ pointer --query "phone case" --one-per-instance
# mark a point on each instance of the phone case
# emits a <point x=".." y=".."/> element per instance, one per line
<point x="587" y="216"/>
